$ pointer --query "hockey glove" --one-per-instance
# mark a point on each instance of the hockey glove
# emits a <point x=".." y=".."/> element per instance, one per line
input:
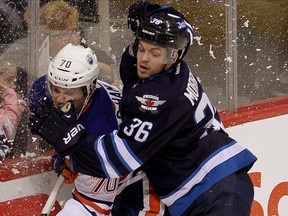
<point x="138" y="12"/>
<point x="62" y="167"/>
<point x="58" y="163"/>
<point x="4" y="148"/>
<point x="5" y="145"/>
<point x="60" y="129"/>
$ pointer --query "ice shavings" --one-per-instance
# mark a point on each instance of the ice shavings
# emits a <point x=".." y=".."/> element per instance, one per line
<point x="198" y="39"/>
<point x="228" y="59"/>
<point x="246" y="24"/>
<point x="211" y="52"/>
<point x="112" y="29"/>
<point x="15" y="171"/>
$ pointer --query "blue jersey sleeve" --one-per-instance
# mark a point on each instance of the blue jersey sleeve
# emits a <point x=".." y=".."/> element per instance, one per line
<point x="128" y="68"/>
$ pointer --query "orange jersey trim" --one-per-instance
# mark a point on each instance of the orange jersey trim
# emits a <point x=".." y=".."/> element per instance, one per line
<point x="90" y="203"/>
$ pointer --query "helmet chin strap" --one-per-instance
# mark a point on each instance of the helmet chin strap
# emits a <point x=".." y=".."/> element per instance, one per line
<point x="87" y="98"/>
<point x="83" y="106"/>
<point x="163" y="68"/>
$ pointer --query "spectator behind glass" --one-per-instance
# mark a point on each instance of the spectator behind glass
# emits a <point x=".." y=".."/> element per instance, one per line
<point x="12" y="26"/>
<point x="61" y="19"/>
<point x="12" y="103"/>
<point x="16" y="53"/>
<point x="62" y="23"/>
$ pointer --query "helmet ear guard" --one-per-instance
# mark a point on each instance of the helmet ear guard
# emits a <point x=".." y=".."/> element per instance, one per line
<point x="172" y="56"/>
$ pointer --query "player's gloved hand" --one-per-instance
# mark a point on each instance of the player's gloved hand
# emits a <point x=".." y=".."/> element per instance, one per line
<point x="62" y="167"/>
<point x="4" y="150"/>
<point x="138" y="12"/>
<point x="5" y="145"/>
<point x="58" y="163"/>
<point x="60" y="129"/>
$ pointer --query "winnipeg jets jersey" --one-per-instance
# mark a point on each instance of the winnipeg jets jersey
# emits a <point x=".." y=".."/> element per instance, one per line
<point x="172" y="131"/>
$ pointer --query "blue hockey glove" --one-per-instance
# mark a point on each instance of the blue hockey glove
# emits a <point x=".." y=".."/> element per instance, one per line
<point x="60" y="129"/>
<point x="58" y="163"/>
<point x="62" y="167"/>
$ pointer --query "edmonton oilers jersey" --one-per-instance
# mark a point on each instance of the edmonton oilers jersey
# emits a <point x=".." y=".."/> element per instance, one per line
<point x="100" y="116"/>
<point x="172" y="131"/>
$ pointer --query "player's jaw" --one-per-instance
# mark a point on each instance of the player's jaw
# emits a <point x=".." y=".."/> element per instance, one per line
<point x="143" y="71"/>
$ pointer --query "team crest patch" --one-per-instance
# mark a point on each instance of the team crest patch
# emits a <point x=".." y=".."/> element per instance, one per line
<point x="150" y="102"/>
<point x="89" y="59"/>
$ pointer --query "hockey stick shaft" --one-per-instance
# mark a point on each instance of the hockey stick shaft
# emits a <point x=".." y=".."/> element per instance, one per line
<point x="60" y="181"/>
<point x="52" y="197"/>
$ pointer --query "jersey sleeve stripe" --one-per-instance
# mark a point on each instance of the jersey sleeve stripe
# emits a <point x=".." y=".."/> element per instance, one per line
<point x="124" y="152"/>
<point x="106" y="164"/>
<point x="219" y="157"/>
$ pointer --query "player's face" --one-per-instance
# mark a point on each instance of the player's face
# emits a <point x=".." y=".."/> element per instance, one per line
<point x="61" y="96"/>
<point x="151" y="59"/>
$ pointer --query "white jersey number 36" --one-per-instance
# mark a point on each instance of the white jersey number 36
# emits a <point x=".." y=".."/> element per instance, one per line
<point x="141" y="129"/>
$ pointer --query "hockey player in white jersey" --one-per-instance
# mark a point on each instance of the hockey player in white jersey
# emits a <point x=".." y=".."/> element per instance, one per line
<point x="72" y="77"/>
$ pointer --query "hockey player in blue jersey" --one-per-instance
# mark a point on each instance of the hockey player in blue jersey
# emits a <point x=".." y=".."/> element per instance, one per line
<point x="169" y="129"/>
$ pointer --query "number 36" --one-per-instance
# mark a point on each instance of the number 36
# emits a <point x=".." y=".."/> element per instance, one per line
<point x="141" y="128"/>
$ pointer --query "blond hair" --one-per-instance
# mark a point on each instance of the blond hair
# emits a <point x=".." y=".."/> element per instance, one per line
<point x="58" y="15"/>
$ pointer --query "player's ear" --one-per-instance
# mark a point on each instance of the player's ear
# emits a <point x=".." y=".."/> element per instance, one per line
<point x="174" y="57"/>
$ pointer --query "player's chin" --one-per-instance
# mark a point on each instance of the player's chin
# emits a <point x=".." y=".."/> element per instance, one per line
<point x="143" y="75"/>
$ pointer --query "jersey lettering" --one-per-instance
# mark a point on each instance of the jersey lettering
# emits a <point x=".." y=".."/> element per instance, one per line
<point x="115" y="96"/>
<point x="140" y="128"/>
<point x="65" y="63"/>
<point x="192" y="92"/>
<point x="108" y="185"/>
<point x="203" y="109"/>
<point x="72" y="133"/>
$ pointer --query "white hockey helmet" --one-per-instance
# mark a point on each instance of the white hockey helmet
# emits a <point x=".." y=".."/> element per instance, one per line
<point x="74" y="66"/>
